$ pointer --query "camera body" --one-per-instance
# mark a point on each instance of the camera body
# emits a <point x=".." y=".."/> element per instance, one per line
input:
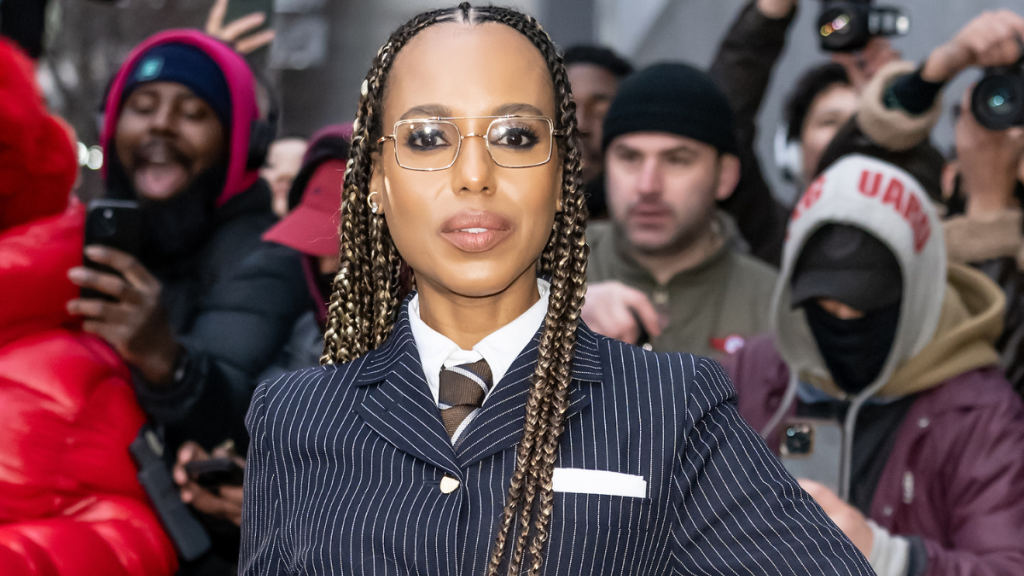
<point x="848" y="25"/>
<point x="997" y="100"/>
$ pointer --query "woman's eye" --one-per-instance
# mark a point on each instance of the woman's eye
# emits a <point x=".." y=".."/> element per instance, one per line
<point x="518" y="137"/>
<point x="426" y="138"/>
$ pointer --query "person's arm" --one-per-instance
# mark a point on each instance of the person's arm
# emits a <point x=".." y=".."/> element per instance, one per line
<point x="902" y="103"/>
<point x="260" y="552"/>
<point x="742" y="69"/>
<point x="242" y="325"/>
<point x="738" y="511"/>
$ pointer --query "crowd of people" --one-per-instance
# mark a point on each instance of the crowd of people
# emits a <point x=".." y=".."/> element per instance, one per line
<point x="873" y="332"/>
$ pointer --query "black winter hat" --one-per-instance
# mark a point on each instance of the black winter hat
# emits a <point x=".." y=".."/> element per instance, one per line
<point x="674" y="98"/>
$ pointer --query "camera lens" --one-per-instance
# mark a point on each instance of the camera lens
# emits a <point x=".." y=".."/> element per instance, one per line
<point x="998" y="100"/>
<point x="843" y="25"/>
<point x="107" y="224"/>
<point x="1000" y="103"/>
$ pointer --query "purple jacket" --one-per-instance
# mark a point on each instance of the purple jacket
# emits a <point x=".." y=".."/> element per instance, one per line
<point x="956" y="475"/>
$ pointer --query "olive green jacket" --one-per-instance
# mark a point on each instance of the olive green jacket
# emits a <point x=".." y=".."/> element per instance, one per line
<point x="711" y="308"/>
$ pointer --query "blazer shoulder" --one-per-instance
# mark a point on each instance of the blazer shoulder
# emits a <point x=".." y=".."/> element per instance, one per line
<point x="647" y="367"/>
<point x="313" y="380"/>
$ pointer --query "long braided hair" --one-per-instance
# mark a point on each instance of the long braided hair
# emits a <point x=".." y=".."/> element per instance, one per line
<point x="370" y="284"/>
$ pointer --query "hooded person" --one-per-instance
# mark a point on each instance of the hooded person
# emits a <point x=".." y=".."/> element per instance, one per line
<point x="876" y="333"/>
<point x="311" y="229"/>
<point x="201" y="311"/>
<point x="70" y="501"/>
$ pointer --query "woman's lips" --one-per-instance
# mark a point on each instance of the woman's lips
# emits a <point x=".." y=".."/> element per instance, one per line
<point x="476" y="231"/>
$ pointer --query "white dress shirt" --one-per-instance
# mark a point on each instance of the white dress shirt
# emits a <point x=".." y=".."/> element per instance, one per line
<point x="500" y="348"/>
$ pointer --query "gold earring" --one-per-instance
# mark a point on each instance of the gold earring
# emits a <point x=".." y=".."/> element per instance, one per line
<point x="373" y="205"/>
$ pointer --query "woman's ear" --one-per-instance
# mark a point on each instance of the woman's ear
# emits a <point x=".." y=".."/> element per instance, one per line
<point x="376" y="193"/>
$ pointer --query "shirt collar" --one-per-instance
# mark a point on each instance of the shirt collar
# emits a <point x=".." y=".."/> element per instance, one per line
<point x="500" y="348"/>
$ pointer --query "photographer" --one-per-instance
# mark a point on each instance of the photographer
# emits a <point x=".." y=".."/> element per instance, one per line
<point x="823" y="99"/>
<point x="984" y="229"/>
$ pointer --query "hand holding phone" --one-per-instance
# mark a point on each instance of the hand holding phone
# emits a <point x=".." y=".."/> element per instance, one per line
<point x="249" y="23"/>
<point x="215" y="472"/>
<point x="212" y="485"/>
<point x="121" y="299"/>
<point x="115" y="224"/>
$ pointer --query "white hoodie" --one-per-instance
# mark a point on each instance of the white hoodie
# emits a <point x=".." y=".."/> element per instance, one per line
<point x="891" y="205"/>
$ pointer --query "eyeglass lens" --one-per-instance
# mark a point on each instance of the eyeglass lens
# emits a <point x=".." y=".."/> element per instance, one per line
<point x="434" y="144"/>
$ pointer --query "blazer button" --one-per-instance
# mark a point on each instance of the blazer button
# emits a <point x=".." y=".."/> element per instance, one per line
<point x="449" y="484"/>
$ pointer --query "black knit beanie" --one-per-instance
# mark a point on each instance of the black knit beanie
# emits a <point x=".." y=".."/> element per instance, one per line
<point x="674" y="98"/>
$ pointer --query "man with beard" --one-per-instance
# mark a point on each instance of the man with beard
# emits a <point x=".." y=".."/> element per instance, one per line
<point x="197" y="315"/>
<point x="667" y="273"/>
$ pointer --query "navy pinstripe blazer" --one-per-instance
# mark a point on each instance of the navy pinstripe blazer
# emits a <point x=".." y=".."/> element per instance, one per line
<point x="345" y="464"/>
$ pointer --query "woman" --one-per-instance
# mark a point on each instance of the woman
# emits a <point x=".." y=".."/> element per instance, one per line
<point x="477" y="427"/>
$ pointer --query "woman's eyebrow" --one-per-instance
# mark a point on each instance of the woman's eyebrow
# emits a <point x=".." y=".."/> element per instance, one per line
<point x="428" y="111"/>
<point x="517" y="108"/>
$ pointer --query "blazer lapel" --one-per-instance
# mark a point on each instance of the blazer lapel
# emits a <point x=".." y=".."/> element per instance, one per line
<point x="399" y="405"/>
<point x="499" y="424"/>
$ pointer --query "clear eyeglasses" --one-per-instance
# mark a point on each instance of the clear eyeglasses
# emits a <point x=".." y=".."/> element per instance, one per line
<point x="430" y="144"/>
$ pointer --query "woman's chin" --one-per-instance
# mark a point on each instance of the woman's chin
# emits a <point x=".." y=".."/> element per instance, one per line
<point x="474" y="281"/>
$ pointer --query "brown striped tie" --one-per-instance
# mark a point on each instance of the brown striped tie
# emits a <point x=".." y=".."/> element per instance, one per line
<point x="462" y="390"/>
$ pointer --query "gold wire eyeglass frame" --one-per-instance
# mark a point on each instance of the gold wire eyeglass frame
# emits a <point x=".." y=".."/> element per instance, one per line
<point x="487" y="143"/>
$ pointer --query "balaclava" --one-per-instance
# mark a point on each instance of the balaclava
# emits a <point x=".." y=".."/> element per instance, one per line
<point x="844" y="263"/>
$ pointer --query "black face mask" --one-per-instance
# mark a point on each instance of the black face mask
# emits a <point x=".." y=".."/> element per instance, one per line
<point x="175" y="228"/>
<point x="854" y="350"/>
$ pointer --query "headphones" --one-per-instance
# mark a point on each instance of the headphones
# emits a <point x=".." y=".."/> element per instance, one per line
<point x="789" y="155"/>
<point x="263" y="131"/>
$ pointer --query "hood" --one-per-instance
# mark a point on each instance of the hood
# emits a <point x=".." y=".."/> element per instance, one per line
<point x="38" y="164"/>
<point x="890" y="204"/>
<point x="244" y="107"/>
<point x="34" y="263"/>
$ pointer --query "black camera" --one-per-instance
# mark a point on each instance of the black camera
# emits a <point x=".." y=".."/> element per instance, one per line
<point x="847" y="25"/>
<point x="997" y="101"/>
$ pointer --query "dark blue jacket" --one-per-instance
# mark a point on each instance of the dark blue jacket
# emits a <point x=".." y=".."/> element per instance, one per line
<point x="346" y="461"/>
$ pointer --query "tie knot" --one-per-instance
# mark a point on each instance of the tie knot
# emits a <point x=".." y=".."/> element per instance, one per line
<point x="465" y="384"/>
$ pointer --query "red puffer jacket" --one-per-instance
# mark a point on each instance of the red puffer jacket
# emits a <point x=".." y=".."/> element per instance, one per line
<point x="69" y="499"/>
<point x="70" y="503"/>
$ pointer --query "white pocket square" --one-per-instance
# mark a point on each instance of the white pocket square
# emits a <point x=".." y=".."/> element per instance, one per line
<point x="582" y="481"/>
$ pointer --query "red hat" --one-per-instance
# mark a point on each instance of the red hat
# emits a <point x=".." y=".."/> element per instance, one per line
<point x="312" y="227"/>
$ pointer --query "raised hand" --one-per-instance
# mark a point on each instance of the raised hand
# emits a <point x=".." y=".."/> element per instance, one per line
<point x="237" y="33"/>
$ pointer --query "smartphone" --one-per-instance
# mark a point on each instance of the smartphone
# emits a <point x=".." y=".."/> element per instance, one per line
<point x="216" y="472"/>
<point x="240" y="8"/>
<point x="116" y="224"/>
<point x="811" y="448"/>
